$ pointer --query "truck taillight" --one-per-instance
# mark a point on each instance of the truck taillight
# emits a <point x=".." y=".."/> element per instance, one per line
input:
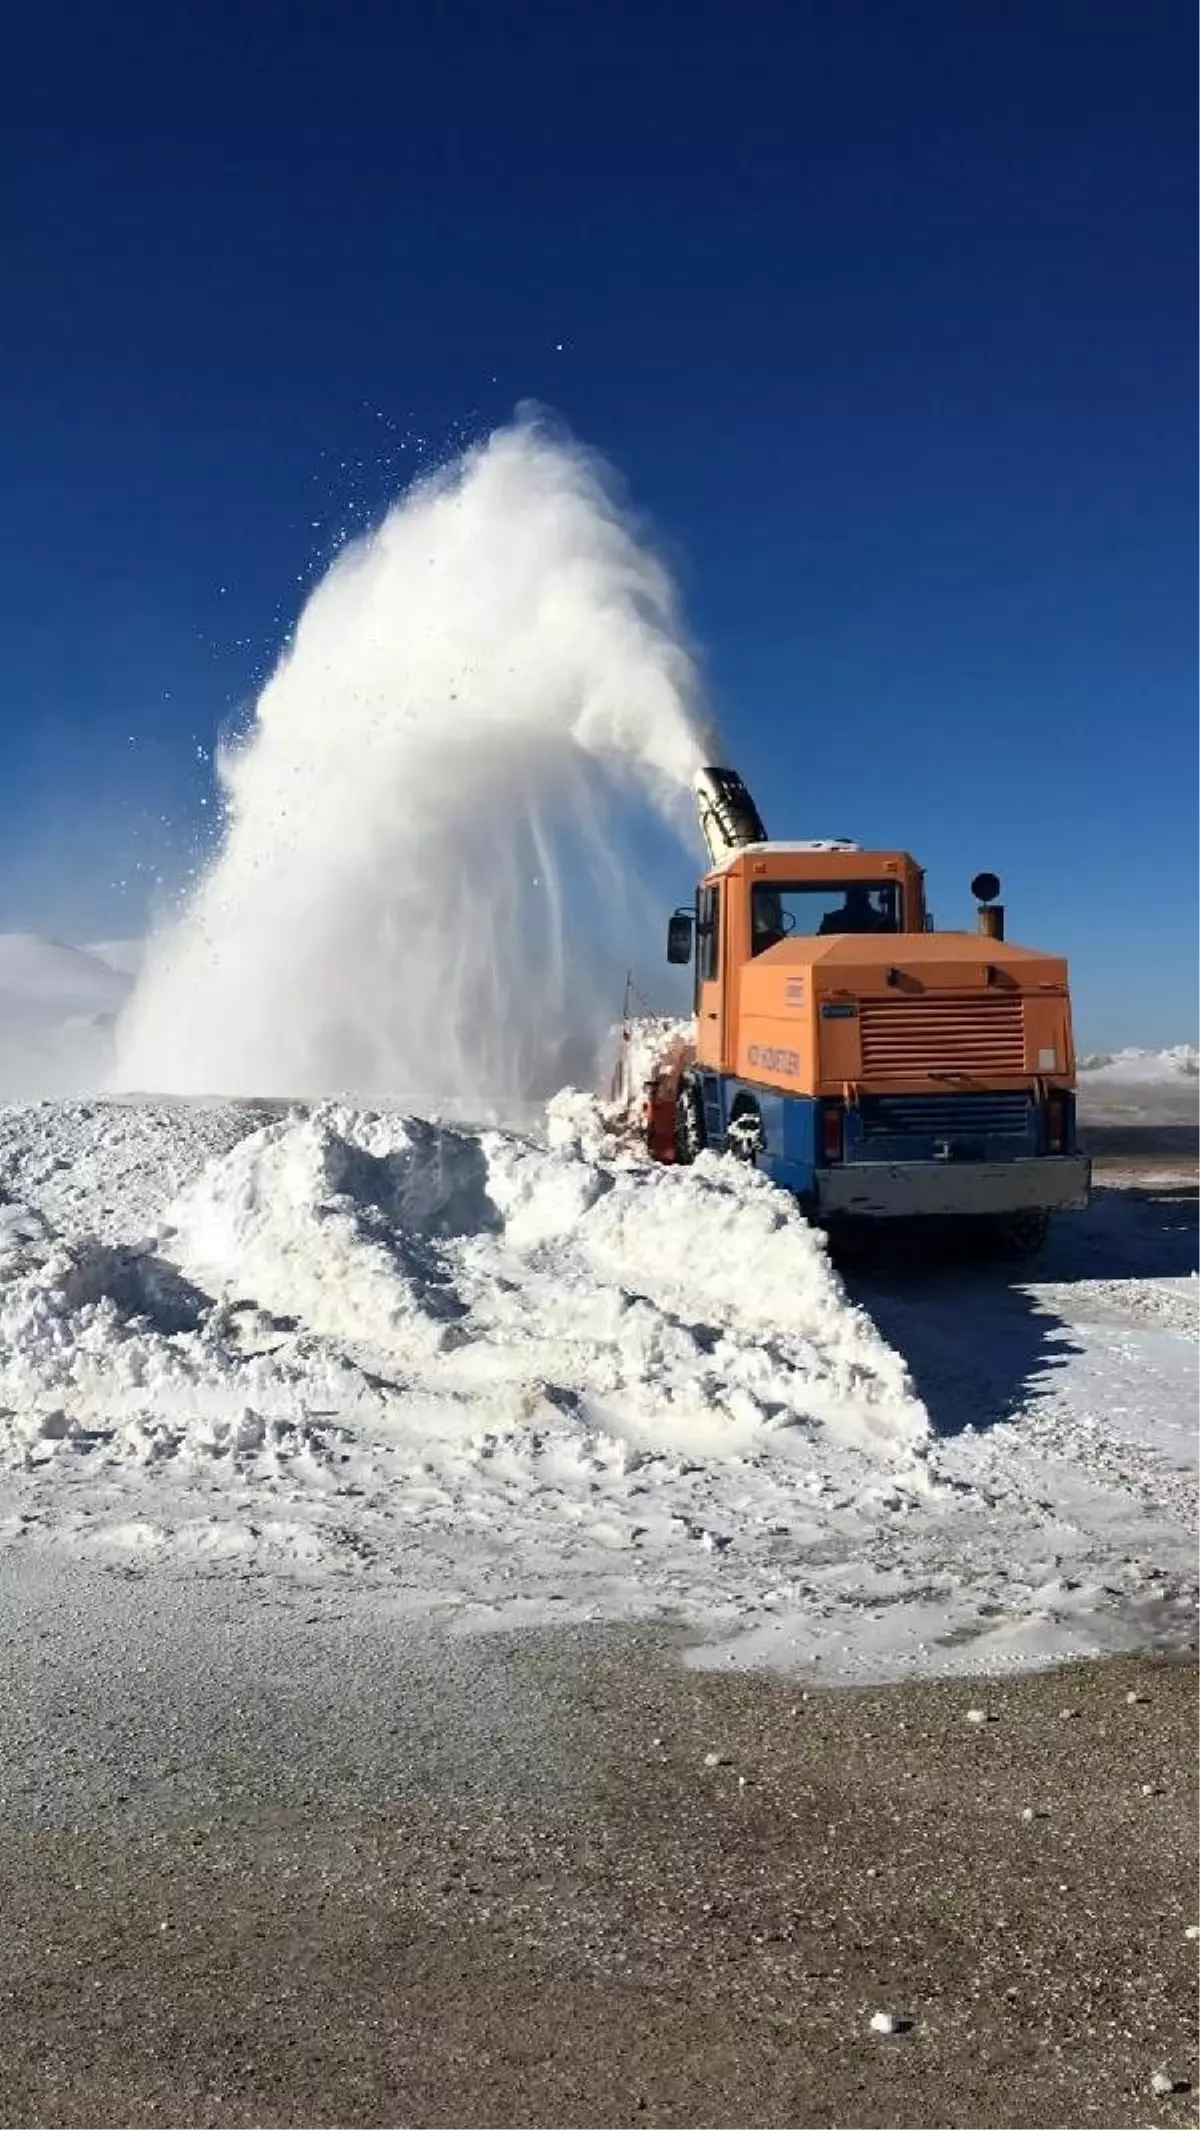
<point x="831" y="1133"/>
<point x="1056" y="1125"/>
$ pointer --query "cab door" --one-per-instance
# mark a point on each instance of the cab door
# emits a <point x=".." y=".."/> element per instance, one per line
<point x="710" y="972"/>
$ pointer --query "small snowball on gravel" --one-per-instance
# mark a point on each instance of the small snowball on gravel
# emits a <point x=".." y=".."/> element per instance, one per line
<point x="1028" y="1812"/>
<point x="980" y="1715"/>
<point x="888" y="2023"/>
<point x="716" y="1760"/>
<point x="1192" y="1930"/>
<point x="1163" y="2082"/>
<point x="1067" y="1715"/>
<point x="1132" y="1700"/>
<point x="1149" y="1789"/>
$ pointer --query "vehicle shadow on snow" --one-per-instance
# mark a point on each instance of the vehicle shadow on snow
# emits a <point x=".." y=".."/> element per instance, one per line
<point x="980" y="1346"/>
<point x="983" y="1340"/>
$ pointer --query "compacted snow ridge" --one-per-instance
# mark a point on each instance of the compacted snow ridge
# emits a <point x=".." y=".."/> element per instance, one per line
<point x="510" y="1378"/>
<point x="1141" y="1067"/>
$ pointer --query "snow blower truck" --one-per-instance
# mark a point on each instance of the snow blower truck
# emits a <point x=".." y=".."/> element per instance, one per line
<point x="879" y="1069"/>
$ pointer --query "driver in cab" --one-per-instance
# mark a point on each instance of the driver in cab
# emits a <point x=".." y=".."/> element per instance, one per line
<point x="770" y="922"/>
<point x="857" y="914"/>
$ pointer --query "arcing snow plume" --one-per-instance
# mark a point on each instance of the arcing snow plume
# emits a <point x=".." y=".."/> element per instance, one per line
<point x="425" y="888"/>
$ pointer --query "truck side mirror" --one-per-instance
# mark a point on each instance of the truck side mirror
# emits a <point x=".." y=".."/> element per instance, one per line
<point x="679" y="936"/>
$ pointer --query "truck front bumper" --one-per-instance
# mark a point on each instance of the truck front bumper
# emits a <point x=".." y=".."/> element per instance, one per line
<point x="907" y="1190"/>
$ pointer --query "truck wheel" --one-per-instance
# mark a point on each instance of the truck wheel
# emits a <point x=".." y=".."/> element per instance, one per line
<point x="1021" y="1235"/>
<point x="689" y="1123"/>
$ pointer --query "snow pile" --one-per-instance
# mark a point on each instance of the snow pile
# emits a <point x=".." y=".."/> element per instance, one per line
<point x="460" y="1332"/>
<point x="107" y="1352"/>
<point x="1142" y="1068"/>
<point x="109" y="1170"/>
<point x="428" y="885"/>
<point x="562" y="1272"/>
<point x="507" y="1380"/>
<point x="58" y="1007"/>
<point x="332" y="1219"/>
<point x="719" y="1243"/>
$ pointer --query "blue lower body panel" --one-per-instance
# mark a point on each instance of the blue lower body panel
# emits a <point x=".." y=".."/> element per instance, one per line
<point x="790" y="1125"/>
<point x="961" y="1130"/>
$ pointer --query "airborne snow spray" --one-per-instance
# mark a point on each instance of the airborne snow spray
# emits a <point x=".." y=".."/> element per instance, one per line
<point x="426" y="883"/>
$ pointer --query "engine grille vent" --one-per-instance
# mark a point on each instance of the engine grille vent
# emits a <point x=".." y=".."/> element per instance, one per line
<point x="910" y="1037"/>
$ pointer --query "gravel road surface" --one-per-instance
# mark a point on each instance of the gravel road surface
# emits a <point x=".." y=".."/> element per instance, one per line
<point x="266" y="1860"/>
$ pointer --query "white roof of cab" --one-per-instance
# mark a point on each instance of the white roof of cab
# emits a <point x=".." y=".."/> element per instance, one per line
<point x="826" y="843"/>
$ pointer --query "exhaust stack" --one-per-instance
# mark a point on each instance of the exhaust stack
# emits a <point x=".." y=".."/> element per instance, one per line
<point x="990" y="915"/>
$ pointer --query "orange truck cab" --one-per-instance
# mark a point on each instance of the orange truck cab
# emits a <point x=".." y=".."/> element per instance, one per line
<point x="875" y="1067"/>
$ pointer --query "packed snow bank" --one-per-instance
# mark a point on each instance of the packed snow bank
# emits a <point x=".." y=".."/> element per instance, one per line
<point x="718" y="1242"/>
<point x="505" y="1380"/>
<point x="1140" y="1068"/>
<point x="330" y="1218"/>
<point x="700" y="1292"/>
<point x="394" y="1327"/>
<point x="58" y="1007"/>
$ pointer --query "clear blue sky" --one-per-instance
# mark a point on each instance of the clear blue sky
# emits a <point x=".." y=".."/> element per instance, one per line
<point x="883" y="307"/>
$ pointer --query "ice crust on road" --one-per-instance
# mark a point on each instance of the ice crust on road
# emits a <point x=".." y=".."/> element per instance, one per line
<point x="508" y="1378"/>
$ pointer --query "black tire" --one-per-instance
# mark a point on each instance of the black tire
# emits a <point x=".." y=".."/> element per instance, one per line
<point x="690" y="1135"/>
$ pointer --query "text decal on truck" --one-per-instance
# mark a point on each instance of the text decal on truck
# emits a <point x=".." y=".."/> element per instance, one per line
<point x="786" y="1062"/>
<point x="840" y="1010"/>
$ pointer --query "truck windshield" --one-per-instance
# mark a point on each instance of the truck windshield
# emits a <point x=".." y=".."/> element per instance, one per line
<point x="810" y="908"/>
